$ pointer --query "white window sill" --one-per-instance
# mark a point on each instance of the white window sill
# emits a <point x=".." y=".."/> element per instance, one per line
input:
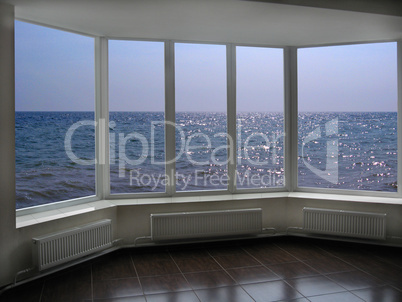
<point x="45" y="216"/>
<point x="51" y="215"/>
<point x="349" y="198"/>
<point x="201" y="198"/>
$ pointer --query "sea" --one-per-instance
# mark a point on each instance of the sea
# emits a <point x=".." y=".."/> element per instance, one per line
<point x="55" y="152"/>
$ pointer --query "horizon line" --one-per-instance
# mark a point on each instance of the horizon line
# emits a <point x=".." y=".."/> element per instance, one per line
<point x="202" y="111"/>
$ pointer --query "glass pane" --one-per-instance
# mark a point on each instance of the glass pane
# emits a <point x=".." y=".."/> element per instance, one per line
<point x="348" y="117"/>
<point x="260" y="122"/>
<point x="54" y="118"/>
<point x="201" y="131"/>
<point x="136" y="117"/>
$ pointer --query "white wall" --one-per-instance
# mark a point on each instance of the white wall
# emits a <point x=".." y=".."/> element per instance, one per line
<point x="134" y="221"/>
<point x="295" y="205"/>
<point x="16" y="244"/>
<point x="7" y="160"/>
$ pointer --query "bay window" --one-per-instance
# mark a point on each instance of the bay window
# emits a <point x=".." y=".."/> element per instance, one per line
<point x="226" y="105"/>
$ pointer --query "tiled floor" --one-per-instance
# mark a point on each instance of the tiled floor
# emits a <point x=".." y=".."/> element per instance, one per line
<point x="271" y="269"/>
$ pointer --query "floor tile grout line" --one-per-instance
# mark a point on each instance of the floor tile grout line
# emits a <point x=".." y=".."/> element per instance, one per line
<point x="42" y="290"/>
<point x="357" y="296"/>
<point x="304" y="296"/>
<point x="92" y="283"/>
<point x="237" y="283"/>
<point x="339" y="258"/>
<point x="303" y="261"/>
<point x="362" y="270"/>
<point x="331" y="255"/>
<point x="312" y="267"/>
<point x="266" y="265"/>
<point x="393" y="286"/>
<point x="282" y="279"/>
<point x="328" y="276"/>
<point x="136" y="273"/>
<point x="189" y="284"/>
<point x="298" y="259"/>
<point x="178" y="273"/>
<point x="334" y="293"/>
<point x="382" y="259"/>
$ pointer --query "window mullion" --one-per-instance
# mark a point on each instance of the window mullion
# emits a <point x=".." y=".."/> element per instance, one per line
<point x="399" y="130"/>
<point x="102" y="118"/>
<point x="170" y="119"/>
<point x="290" y="74"/>
<point x="231" y="115"/>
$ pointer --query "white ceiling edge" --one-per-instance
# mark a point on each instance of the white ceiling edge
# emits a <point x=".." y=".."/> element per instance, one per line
<point x="227" y="21"/>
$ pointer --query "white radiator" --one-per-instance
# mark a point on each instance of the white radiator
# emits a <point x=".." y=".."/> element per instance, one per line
<point x="345" y="223"/>
<point x="58" y="248"/>
<point x="168" y="226"/>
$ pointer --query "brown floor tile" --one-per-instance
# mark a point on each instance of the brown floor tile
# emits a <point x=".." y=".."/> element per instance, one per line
<point x="119" y="266"/>
<point x="271" y="291"/>
<point x="73" y="286"/>
<point x="303" y="251"/>
<point x="225" y="250"/>
<point x="388" y="273"/>
<point x="125" y="299"/>
<point x="209" y="279"/>
<point x="115" y="288"/>
<point x="164" y="284"/>
<point x="254" y="274"/>
<point x="314" y="286"/>
<point x="346" y="250"/>
<point x="258" y="246"/>
<point x="391" y="255"/>
<point x="189" y="296"/>
<point x="396" y="284"/>
<point x="379" y="294"/>
<point x="239" y="260"/>
<point x="338" y="297"/>
<point x="271" y="255"/>
<point x="30" y="292"/>
<point x="329" y="265"/>
<point x="202" y="264"/>
<point x="155" y="267"/>
<point x="355" y="280"/>
<point x="189" y="253"/>
<point x="150" y="254"/>
<point x="292" y="270"/>
<point x="231" y="293"/>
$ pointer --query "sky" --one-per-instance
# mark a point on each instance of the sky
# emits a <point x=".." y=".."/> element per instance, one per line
<point x="348" y="78"/>
<point x="55" y="72"/>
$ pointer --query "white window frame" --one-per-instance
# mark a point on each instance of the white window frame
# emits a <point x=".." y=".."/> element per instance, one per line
<point x="335" y="191"/>
<point x="290" y="126"/>
<point x="86" y="199"/>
